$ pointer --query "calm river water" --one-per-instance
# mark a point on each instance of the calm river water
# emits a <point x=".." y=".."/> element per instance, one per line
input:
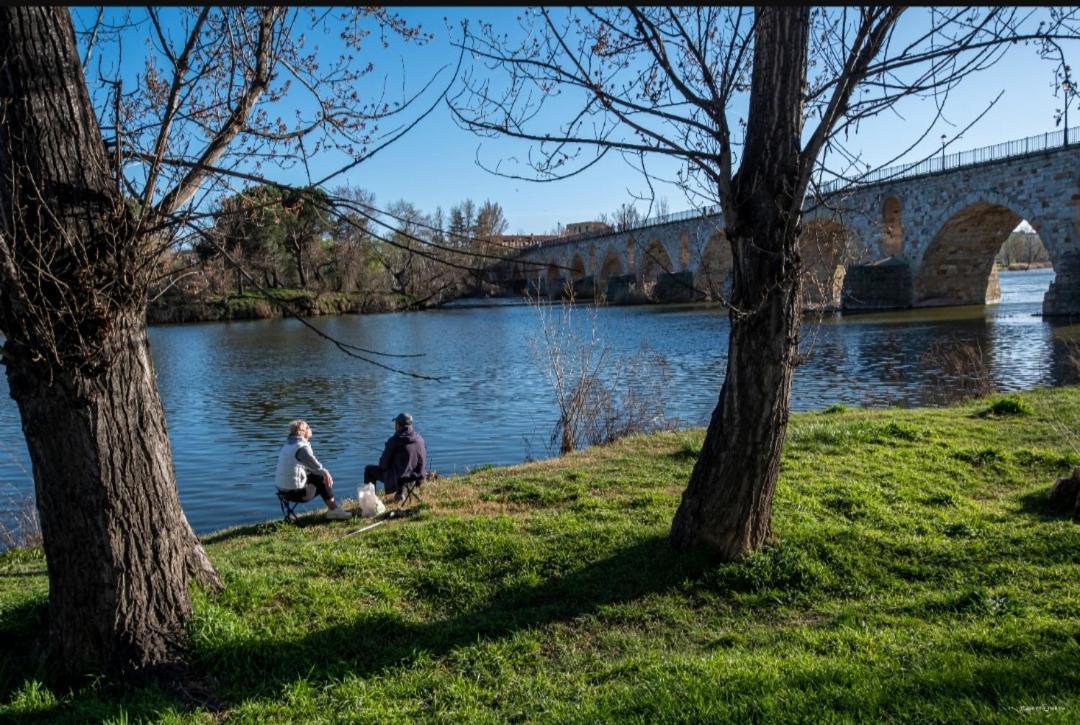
<point x="230" y="389"/>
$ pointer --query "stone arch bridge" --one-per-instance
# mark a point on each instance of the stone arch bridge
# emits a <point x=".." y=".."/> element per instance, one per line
<point x="917" y="236"/>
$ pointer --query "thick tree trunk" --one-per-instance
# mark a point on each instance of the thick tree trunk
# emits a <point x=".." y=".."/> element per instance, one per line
<point x="119" y="551"/>
<point x="727" y="506"/>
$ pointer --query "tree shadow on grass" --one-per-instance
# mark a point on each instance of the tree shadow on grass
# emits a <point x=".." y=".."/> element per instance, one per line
<point x="371" y="643"/>
<point x="23" y="698"/>
<point x="265" y="528"/>
<point x="379" y="641"/>
<point x="19" y="628"/>
<point x="1037" y="504"/>
<point x="687" y="453"/>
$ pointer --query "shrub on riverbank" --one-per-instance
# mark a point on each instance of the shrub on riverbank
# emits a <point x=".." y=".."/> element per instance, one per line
<point x="917" y="574"/>
<point x="254" y="306"/>
<point x="1010" y="405"/>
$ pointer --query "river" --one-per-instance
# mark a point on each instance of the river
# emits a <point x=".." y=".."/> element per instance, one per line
<point x="230" y="389"/>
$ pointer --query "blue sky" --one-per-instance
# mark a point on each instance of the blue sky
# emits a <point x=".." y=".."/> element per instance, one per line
<point x="435" y="165"/>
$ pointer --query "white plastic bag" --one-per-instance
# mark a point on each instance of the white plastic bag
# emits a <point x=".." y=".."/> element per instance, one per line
<point x="370" y="505"/>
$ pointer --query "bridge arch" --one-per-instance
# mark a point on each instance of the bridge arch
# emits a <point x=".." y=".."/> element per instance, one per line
<point x="655" y="261"/>
<point x="611" y="266"/>
<point x="955" y="264"/>
<point x="553" y="271"/>
<point x="713" y="275"/>
<point x="518" y="279"/>
<point x="826" y="247"/>
<point x="577" y="267"/>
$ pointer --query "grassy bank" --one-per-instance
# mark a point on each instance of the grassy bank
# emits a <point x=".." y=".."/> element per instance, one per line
<point x="917" y="575"/>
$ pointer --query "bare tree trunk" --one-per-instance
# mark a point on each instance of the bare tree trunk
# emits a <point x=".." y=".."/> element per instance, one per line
<point x="296" y="244"/>
<point x="727" y="505"/>
<point x="119" y="550"/>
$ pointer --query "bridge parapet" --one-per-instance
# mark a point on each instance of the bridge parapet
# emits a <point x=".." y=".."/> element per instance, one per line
<point x="943" y="218"/>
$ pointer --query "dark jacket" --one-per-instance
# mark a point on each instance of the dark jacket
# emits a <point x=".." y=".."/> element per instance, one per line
<point x="404" y="456"/>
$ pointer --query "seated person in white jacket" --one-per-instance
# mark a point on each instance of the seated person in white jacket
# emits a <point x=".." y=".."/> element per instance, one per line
<point x="300" y="473"/>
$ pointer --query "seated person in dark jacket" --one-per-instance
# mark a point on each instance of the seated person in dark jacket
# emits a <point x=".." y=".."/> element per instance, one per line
<point x="404" y="458"/>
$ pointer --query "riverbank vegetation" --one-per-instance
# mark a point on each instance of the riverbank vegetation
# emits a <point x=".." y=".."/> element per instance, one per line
<point x="1022" y="251"/>
<point x="331" y="253"/>
<point x="915" y="572"/>
<point x="327" y="253"/>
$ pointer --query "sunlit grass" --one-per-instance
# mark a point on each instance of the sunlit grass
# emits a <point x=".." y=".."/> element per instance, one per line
<point x="916" y="575"/>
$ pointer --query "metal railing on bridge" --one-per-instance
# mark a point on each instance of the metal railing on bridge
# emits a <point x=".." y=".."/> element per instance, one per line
<point x="655" y="221"/>
<point x="934" y="165"/>
<point x="950" y="162"/>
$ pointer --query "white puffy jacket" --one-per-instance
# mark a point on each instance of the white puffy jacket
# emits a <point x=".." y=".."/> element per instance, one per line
<point x="291" y="472"/>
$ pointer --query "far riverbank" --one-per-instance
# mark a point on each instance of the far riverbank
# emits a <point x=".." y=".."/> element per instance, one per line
<point x="254" y="306"/>
<point x="172" y="309"/>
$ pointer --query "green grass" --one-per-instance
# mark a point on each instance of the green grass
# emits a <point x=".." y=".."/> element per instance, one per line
<point x="916" y="576"/>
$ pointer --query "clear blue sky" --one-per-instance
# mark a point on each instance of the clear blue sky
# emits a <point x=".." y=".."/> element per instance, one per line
<point x="435" y="165"/>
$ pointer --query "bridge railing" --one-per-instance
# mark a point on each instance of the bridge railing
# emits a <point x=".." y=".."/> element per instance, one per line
<point x="643" y="224"/>
<point x="949" y="162"/>
<point x="933" y="165"/>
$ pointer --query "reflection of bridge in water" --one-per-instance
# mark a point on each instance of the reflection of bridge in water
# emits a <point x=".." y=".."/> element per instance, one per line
<point x="921" y="235"/>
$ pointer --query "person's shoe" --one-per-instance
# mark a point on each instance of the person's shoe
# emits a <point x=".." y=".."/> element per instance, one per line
<point x="338" y="513"/>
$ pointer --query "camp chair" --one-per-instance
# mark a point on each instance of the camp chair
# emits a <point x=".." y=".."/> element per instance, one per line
<point x="289" y="500"/>
<point x="411" y="487"/>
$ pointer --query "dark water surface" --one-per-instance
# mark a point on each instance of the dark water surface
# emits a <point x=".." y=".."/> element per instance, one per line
<point x="230" y="389"/>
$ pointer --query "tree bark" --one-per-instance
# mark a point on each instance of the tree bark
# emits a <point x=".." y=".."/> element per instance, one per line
<point x="119" y="550"/>
<point x="727" y="506"/>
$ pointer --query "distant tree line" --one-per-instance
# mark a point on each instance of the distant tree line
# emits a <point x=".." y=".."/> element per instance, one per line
<point x="316" y="241"/>
<point x="1022" y="248"/>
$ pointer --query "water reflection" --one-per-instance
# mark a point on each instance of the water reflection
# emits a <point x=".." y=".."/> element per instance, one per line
<point x="230" y="389"/>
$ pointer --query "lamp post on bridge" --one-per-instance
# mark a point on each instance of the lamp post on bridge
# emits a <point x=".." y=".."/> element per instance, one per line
<point x="942" y="152"/>
<point x="1066" y="87"/>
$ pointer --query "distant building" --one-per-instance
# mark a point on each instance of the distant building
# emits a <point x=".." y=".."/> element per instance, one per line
<point x="582" y="228"/>
<point x="577" y="229"/>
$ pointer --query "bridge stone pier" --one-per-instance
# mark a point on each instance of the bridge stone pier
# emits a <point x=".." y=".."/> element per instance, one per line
<point x="921" y="236"/>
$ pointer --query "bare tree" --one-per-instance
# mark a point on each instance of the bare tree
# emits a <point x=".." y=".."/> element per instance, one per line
<point x="660" y="208"/>
<point x="752" y="103"/>
<point x="625" y="217"/>
<point x="601" y="396"/>
<point x="351" y="241"/>
<point x="84" y="218"/>
<point x="418" y="272"/>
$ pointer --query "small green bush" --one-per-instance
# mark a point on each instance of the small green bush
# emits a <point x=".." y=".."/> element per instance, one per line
<point x="896" y="431"/>
<point x="980" y="457"/>
<point x="835" y="408"/>
<point x="1005" y="407"/>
